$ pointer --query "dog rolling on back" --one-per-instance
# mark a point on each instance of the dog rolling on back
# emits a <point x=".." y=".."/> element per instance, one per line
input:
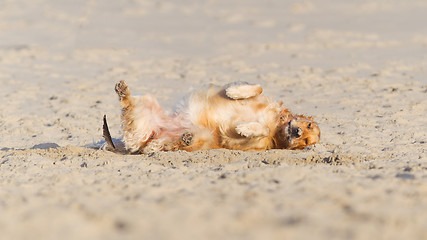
<point x="236" y="116"/>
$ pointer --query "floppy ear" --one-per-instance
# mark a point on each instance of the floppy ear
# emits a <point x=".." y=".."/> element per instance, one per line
<point x="285" y="115"/>
<point x="311" y="118"/>
<point x="305" y="117"/>
<point x="284" y="112"/>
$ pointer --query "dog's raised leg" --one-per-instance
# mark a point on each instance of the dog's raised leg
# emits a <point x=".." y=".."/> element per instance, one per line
<point x="135" y="138"/>
<point x="123" y="92"/>
<point x="127" y="105"/>
<point x="242" y="90"/>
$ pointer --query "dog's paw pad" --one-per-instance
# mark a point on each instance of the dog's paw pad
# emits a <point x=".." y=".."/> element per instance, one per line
<point x="187" y="138"/>
<point x="122" y="89"/>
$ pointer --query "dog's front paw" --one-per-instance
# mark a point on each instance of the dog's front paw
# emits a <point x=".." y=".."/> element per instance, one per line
<point x="240" y="91"/>
<point x="187" y="138"/>
<point x="122" y="89"/>
<point x="252" y="129"/>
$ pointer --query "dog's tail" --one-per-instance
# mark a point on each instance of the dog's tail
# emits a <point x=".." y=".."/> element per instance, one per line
<point x="107" y="136"/>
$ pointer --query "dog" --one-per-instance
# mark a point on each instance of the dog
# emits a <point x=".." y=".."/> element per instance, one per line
<point x="236" y="116"/>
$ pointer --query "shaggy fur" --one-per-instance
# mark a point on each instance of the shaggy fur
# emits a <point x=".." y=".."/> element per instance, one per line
<point x="236" y="116"/>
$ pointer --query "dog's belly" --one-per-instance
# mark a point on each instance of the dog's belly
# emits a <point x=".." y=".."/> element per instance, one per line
<point x="210" y="111"/>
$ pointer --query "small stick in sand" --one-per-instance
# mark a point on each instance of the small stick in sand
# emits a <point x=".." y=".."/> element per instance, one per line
<point x="107" y="136"/>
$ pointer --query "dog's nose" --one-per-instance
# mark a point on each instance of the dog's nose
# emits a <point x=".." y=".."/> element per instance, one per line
<point x="296" y="132"/>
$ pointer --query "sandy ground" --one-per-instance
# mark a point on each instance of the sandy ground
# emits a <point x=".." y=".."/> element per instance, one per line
<point x="358" y="67"/>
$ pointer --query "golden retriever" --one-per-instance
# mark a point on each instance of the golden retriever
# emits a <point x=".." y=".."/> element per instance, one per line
<point x="236" y="116"/>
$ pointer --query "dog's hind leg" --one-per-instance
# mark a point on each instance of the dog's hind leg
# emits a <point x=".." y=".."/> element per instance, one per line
<point x="123" y="92"/>
<point x="127" y="103"/>
<point x="139" y="116"/>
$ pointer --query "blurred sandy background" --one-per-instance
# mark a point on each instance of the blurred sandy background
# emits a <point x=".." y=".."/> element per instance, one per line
<point x="359" y="67"/>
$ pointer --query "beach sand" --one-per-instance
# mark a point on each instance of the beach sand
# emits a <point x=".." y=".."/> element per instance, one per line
<point x="358" y="67"/>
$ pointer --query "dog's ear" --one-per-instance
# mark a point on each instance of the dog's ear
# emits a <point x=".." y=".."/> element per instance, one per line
<point x="285" y="115"/>
<point x="284" y="111"/>
<point x="304" y="117"/>
<point x="309" y="118"/>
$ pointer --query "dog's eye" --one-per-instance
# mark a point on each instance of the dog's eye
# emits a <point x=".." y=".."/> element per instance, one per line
<point x="309" y="126"/>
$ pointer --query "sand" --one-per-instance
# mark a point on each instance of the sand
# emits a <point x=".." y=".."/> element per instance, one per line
<point x="358" y="67"/>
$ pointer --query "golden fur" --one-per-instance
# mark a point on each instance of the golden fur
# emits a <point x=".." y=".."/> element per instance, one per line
<point x="236" y="116"/>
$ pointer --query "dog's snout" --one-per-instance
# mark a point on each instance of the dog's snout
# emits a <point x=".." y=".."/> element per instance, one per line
<point x="299" y="132"/>
<point x="296" y="132"/>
